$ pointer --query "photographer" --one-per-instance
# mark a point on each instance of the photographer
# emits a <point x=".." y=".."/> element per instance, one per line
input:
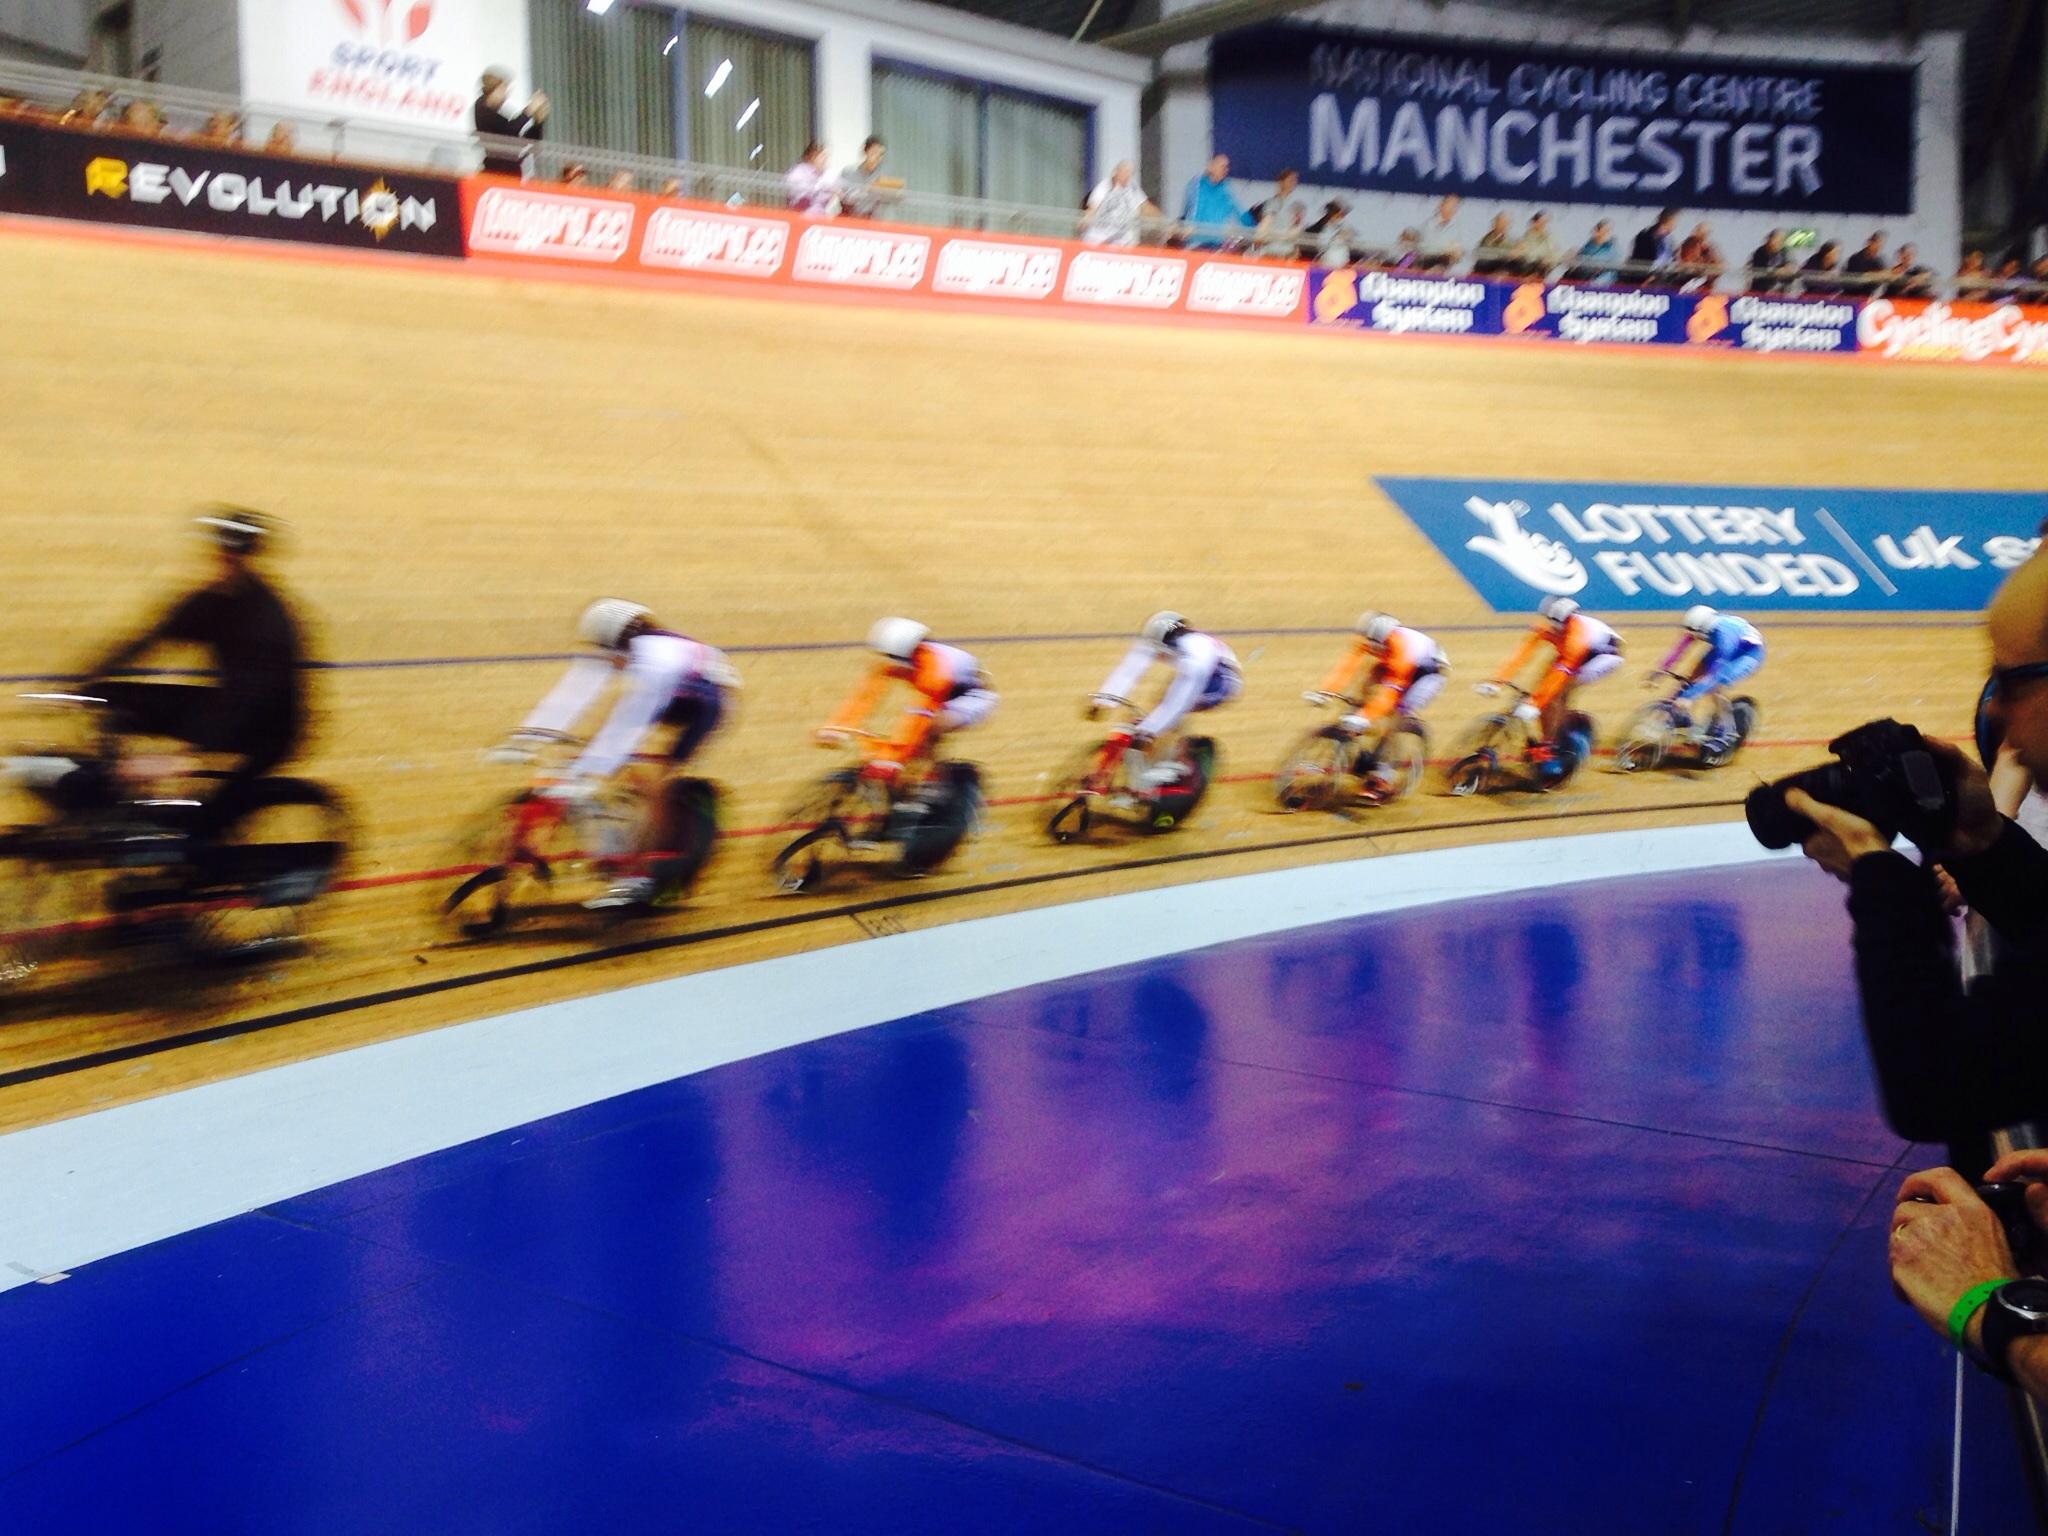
<point x="1952" y="1064"/>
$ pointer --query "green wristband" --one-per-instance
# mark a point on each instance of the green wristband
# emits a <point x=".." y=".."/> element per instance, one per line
<point x="1966" y="1307"/>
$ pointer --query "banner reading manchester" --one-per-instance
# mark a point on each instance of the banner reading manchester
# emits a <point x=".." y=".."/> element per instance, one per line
<point x="1660" y="547"/>
<point x="1399" y="113"/>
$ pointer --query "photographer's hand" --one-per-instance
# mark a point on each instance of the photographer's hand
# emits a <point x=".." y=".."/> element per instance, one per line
<point x="1944" y="1241"/>
<point x="2030" y="1168"/>
<point x="1842" y="839"/>
<point x="1978" y="821"/>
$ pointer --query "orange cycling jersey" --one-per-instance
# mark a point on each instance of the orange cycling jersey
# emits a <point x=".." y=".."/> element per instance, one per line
<point x="1407" y="653"/>
<point x="935" y="673"/>
<point x="1583" y="638"/>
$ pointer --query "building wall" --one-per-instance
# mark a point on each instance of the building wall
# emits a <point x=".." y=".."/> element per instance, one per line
<point x="1178" y="136"/>
<point x="850" y="34"/>
<point x="193" y="43"/>
<point x="54" y="32"/>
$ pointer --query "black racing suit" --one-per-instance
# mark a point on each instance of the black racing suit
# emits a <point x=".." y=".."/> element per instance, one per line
<point x="1952" y="1064"/>
<point x="255" y="709"/>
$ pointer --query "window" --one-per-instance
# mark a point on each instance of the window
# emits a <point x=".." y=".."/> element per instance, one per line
<point x="610" y="79"/>
<point x="749" y="96"/>
<point x="967" y="138"/>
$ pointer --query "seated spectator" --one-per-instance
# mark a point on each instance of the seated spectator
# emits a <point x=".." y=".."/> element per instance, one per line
<point x="1117" y="209"/>
<point x="673" y="187"/>
<point x="1536" y="252"/>
<point x="1972" y="277"/>
<point x="1907" y="278"/>
<point x="1595" y="262"/>
<point x="574" y="174"/>
<point x="1210" y="206"/>
<point x="1865" y="268"/>
<point x="493" y="121"/>
<point x="1699" y="259"/>
<point x="1281" y="209"/>
<point x="862" y="187"/>
<point x="87" y="108"/>
<point x="1496" y="249"/>
<point x="1770" y="266"/>
<point x="1328" y="238"/>
<point x="2037" y="281"/>
<point x="2008" y="282"/>
<point x="1280" y="230"/>
<point x="282" y="141"/>
<point x="1650" y="258"/>
<point x="621" y="181"/>
<point x="1406" y="256"/>
<point x="143" y="117"/>
<point x="1441" y="249"/>
<point x="810" y="185"/>
<point x="1822" y="273"/>
<point x="223" y="130"/>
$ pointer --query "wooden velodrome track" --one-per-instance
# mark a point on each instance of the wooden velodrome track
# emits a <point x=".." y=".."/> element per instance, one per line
<point x="464" y="459"/>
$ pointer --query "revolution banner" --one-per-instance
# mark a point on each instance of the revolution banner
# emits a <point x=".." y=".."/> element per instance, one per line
<point x="1402" y="113"/>
<point x="1659" y="547"/>
<point x="168" y="184"/>
<point x="627" y="232"/>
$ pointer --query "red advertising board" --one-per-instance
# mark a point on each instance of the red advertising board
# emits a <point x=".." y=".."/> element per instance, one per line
<point x="623" y="231"/>
<point x="1934" y="330"/>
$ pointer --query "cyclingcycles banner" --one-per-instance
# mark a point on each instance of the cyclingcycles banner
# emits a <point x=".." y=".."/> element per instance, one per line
<point x="1402" y="113"/>
<point x="1658" y="547"/>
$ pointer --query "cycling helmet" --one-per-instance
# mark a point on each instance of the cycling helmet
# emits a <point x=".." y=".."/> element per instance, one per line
<point x="1163" y="626"/>
<point x="897" y="639"/>
<point x="1556" y="609"/>
<point x="609" y="622"/>
<point x="1699" y="618"/>
<point x="238" y="530"/>
<point x="1377" y="628"/>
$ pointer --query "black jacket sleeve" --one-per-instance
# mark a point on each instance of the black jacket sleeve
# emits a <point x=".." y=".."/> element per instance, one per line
<point x="2008" y="884"/>
<point x="490" y="120"/>
<point x="1949" y="1064"/>
<point x="173" y="623"/>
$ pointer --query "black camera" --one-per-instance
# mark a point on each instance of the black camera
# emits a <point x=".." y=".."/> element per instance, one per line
<point x="1884" y="772"/>
<point x="2008" y="1201"/>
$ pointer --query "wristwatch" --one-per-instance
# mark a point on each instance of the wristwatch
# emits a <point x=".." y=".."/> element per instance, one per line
<point x="2016" y="1310"/>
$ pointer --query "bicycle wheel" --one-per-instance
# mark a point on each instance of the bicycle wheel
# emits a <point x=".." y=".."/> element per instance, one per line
<point x="250" y="890"/>
<point x="1737" y="720"/>
<point x="1475" y="766"/>
<point x="808" y="862"/>
<point x="1316" y="772"/>
<point x="1645" y="739"/>
<point x="823" y="800"/>
<point x="513" y="874"/>
<point x="1396" y="768"/>
<point x="43" y="908"/>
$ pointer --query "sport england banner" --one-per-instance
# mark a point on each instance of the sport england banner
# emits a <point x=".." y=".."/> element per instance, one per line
<point x="1660" y="547"/>
<point x="529" y="222"/>
<point x="1419" y="303"/>
<point x="1400" y="113"/>
<point x="168" y="184"/>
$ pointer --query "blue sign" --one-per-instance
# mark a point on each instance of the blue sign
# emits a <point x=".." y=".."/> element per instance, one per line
<point x="1405" y="303"/>
<point x="1659" y="547"/>
<point x="1397" y="113"/>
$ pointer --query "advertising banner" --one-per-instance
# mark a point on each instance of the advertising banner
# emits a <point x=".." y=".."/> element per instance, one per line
<point x="1932" y="330"/>
<point x="408" y="63"/>
<point x="628" y="232"/>
<point x="1406" y="302"/>
<point x="169" y="184"/>
<point x="1398" y="113"/>
<point x="1820" y="549"/>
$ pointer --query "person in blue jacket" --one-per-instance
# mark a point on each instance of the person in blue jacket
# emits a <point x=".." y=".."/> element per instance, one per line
<point x="1734" y="650"/>
<point x="1210" y="202"/>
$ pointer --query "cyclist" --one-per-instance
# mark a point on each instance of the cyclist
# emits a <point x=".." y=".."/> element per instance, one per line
<point x="254" y="711"/>
<point x="953" y="693"/>
<point x="1389" y="669"/>
<point x="1734" y="650"/>
<point x="665" y="679"/>
<point x="1586" y="651"/>
<point x="1205" y="674"/>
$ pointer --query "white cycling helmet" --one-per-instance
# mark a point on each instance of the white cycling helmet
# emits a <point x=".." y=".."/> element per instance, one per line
<point x="1377" y="628"/>
<point x="607" y="622"/>
<point x="897" y="639"/>
<point x="1699" y="618"/>
<point x="1163" y="626"/>
<point x="1556" y="609"/>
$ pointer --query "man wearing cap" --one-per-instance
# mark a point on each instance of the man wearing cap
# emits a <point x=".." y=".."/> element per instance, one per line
<point x="254" y="709"/>
<point x="493" y="122"/>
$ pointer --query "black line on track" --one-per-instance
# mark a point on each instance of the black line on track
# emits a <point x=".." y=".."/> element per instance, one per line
<point x="334" y="1007"/>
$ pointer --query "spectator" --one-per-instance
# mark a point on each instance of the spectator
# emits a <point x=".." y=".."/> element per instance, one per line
<point x="810" y="185"/>
<point x="494" y="122"/>
<point x="1280" y="230"/>
<point x="1407" y="253"/>
<point x="1116" y="209"/>
<point x="1699" y="260"/>
<point x="1330" y="239"/>
<point x="861" y="184"/>
<point x="1280" y="209"/>
<point x="143" y="117"/>
<point x="1865" y="268"/>
<point x="621" y="181"/>
<point x="1210" y="205"/>
<point x="1596" y="256"/>
<point x="282" y="140"/>
<point x="1770" y="266"/>
<point x="574" y="175"/>
<point x="223" y="130"/>
<point x="1440" y="248"/>
<point x="1536" y="252"/>
<point x="1496" y="249"/>
<point x="1654" y="250"/>
<point x="1821" y="275"/>
<point x="673" y="187"/>
<point x="1972" y="276"/>
<point x="2037" y="281"/>
<point x="2007" y="282"/>
<point x="87" y="108"/>
<point x="1908" y="279"/>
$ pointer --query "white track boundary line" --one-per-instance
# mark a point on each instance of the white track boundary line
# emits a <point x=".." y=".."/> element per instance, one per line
<point x="106" y="1182"/>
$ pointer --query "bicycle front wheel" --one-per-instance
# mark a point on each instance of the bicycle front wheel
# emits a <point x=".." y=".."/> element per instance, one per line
<point x="1645" y="740"/>
<point x="1316" y="774"/>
